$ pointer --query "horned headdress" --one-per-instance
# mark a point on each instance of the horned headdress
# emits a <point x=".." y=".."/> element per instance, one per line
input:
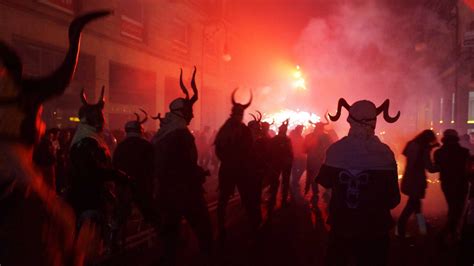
<point x="91" y="113"/>
<point x="21" y="97"/>
<point x="365" y="112"/>
<point x="238" y="108"/>
<point x="137" y="124"/>
<point x="184" y="106"/>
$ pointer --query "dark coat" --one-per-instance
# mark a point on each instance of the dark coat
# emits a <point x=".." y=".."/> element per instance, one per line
<point x="234" y="148"/>
<point x="176" y="166"/>
<point x="91" y="167"/>
<point x="418" y="161"/>
<point x="452" y="161"/>
<point x="134" y="156"/>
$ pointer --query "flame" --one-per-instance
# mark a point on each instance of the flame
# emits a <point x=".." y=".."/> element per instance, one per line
<point x="296" y="118"/>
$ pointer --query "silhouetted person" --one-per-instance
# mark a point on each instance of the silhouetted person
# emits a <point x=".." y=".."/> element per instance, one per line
<point x="418" y="154"/>
<point x="36" y="227"/>
<point x="299" y="161"/>
<point x="234" y="148"/>
<point x="134" y="156"/>
<point x="180" y="178"/>
<point x="362" y="173"/>
<point x="452" y="160"/>
<point x="316" y="143"/>
<point x="281" y="159"/>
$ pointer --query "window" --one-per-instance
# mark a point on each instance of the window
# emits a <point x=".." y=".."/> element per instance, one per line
<point x="471" y="106"/>
<point x="68" y="6"/>
<point x="132" y="19"/>
<point x="132" y="86"/>
<point x="39" y="59"/>
<point x="179" y="34"/>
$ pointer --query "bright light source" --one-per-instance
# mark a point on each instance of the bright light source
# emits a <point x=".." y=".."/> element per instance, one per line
<point x="74" y="119"/>
<point x="299" y="83"/>
<point x="296" y="118"/>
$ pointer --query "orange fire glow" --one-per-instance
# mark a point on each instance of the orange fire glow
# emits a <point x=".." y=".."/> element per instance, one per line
<point x="296" y="118"/>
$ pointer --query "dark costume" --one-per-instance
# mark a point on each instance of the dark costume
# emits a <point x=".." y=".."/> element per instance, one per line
<point x="362" y="173"/>
<point x="299" y="161"/>
<point x="36" y="228"/>
<point x="452" y="161"/>
<point x="316" y="143"/>
<point x="234" y="148"/>
<point x="134" y="156"/>
<point x="414" y="181"/>
<point x="180" y="178"/>
<point x="281" y="159"/>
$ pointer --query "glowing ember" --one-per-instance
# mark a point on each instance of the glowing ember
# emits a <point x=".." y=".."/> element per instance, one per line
<point x="296" y="118"/>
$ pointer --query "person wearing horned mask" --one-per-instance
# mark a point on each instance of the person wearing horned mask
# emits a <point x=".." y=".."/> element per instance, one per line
<point x="362" y="173"/>
<point x="36" y="227"/>
<point x="234" y="148"/>
<point x="134" y="156"/>
<point x="180" y="178"/>
<point x="281" y="159"/>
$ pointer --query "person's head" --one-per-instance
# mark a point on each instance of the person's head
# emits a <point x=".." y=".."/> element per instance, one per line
<point x="283" y="128"/>
<point x="238" y="109"/>
<point x="92" y="114"/>
<point x="299" y="129"/>
<point x="21" y="97"/>
<point x="183" y="107"/>
<point x="136" y="126"/>
<point x="450" y="136"/>
<point x="363" y="114"/>
<point x="426" y="138"/>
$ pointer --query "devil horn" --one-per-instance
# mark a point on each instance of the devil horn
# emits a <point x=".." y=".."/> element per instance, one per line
<point x="260" y="116"/>
<point x="158" y="116"/>
<point x="342" y="103"/>
<point x="384" y="108"/>
<point x="83" y="97"/>
<point x="181" y="84"/>
<point x="101" y="101"/>
<point x="55" y="83"/>
<point x="193" y="86"/>
<point x="145" y="118"/>
<point x="233" y="96"/>
<point x="254" y="118"/>
<point x="250" y="101"/>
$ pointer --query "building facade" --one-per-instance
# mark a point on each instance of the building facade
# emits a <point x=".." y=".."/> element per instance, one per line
<point x="136" y="54"/>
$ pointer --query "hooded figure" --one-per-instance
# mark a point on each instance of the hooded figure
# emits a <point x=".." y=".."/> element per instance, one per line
<point x="180" y="178"/>
<point x="362" y="173"/>
<point x="36" y="228"/>
<point x="234" y="148"/>
<point x="281" y="160"/>
<point x="414" y="184"/>
<point x="134" y="156"/>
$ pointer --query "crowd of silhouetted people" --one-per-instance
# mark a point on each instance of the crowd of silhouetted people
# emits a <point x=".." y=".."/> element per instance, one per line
<point x="99" y="179"/>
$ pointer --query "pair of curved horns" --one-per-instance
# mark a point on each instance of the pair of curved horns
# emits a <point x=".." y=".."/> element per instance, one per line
<point x="259" y="119"/>
<point x="245" y="106"/>
<point x="193" y="86"/>
<point x="382" y="108"/>
<point x="138" y="116"/>
<point x="101" y="101"/>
